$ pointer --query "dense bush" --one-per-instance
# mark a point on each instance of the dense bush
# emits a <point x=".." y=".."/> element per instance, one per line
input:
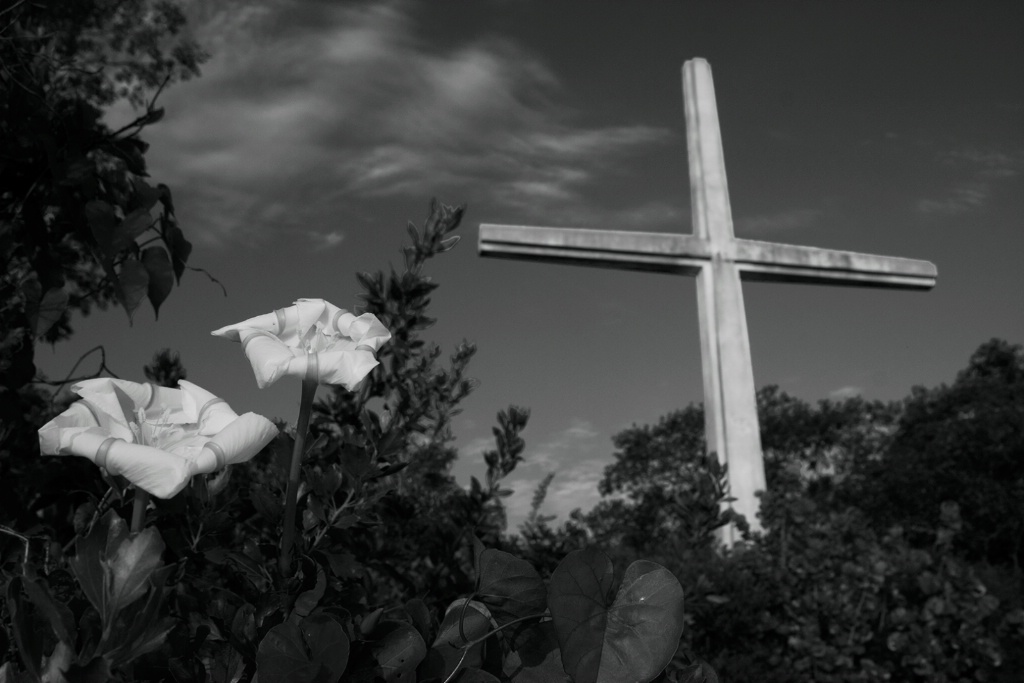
<point x="878" y="560"/>
<point x="392" y="579"/>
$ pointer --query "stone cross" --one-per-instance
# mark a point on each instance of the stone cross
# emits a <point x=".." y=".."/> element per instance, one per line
<point x="719" y="260"/>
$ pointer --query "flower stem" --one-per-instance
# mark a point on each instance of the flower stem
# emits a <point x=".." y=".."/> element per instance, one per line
<point x="292" y="493"/>
<point x="139" y="510"/>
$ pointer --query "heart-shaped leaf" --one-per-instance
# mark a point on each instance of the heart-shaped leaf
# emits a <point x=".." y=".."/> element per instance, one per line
<point x="475" y="676"/>
<point x="536" y="658"/>
<point x="132" y="285"/>
<point x="314" y="651"/>
<point x="161" y="275"/>
<point x="328" y="645"/>
<point x="282" y="656"/>
<point x="420" y="616"/>
<point x="464" y="621"/>
<point x="134" y="224"/>
<point x="145" y="194"/>
<point x="103" y="224"/>
<point x="180" y="247"/>
<point x="399" y="651"/>
<point x="51" y="308"/>
<point x="632" y="638"/>
<point x="510" y="587"/>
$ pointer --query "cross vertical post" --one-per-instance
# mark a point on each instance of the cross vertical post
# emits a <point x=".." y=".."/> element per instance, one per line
<point x="730" y="424"/>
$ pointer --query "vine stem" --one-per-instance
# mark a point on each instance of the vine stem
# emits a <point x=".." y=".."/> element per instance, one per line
<point x="284" y="561"/>
<point x="465" y="647"/>
<point x="139" y="510"/>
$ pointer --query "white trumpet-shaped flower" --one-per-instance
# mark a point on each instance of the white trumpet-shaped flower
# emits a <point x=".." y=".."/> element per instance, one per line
<point x="156" y="437"/>
<point x="313" y="340"/>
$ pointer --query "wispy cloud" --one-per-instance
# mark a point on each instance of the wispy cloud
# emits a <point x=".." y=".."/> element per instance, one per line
<point x="843" y="393"/>
<point x="325" y="240"/>
<point x="980" y="172"/>
<point x="577" y="457"/>
<point x="308" y="104"/>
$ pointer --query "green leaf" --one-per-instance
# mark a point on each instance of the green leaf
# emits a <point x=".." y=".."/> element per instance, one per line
<point x="132" y="285"/>
<point x="90" y="555"/>
<point x="161" y="275"/>
<point x="633" y="638"/>
<point x="131" y="566"/>
<point x="371" y="621"/>
<point x="314" y="651"/>
<point x="29" y="646"/>
<point x="308" y="600"/>
<point x="463" y="618"/>
<point x="179" y="247"/>
<point x="134" y="224"/>
<point x="140" y="629"/>
<point x="344" y="565"/>
<point x="510" y="587"/>
<point x="399" y="651"/>
<point x="449" y="243"/>
<point x="145" y="194"/>
<point x="32" y="291"/>
<point x="475" y="676"/>
<point x="328" y="645"/>
<point x="697" y="672"/>
<point x="51" y="308"/>
<point x="59" y="615"/>
<point x="282" y="657"/>
<point x="103" y="224"/>
<point x="95" y="671"/>
<point x="420" y="616"/>
<point x="537" y="658"/>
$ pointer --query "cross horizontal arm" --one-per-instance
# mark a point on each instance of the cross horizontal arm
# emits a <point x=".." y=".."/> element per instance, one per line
<point x="773" y="262"/>
<point x="648" y="251"/>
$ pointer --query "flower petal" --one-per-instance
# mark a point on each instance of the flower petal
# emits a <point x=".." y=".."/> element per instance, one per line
<point x="210" y="413"/>
<point x="311" y="312"/>
<point x="366" y="330"/>
<point x="344" y="367"/>
<point x="160" y="473"/>
<point x="312" y="334"/>
<point x="268" y="322"/>
<point x="116" y="399"/>
<point x="55" y="437"/>
<point x="186" y="420"/>
<point x="268" y="355"/>
<point x="239" y="442"/>
<point x="167" y="403"/>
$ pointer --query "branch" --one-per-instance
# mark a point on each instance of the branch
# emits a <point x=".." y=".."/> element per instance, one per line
<point x="141" y="122"/>
<point x="103" y="368"/>
<point x="212" y="278"/>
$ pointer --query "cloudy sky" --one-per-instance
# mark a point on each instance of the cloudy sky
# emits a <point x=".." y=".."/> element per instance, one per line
<point x="319" y="128"/>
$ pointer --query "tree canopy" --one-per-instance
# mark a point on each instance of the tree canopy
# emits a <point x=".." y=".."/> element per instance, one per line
<point x="76" y="209"/>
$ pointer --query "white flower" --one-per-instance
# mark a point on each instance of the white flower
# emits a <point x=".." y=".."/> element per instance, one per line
<point x="156" y="437"/>
<point x="312" y="340"/>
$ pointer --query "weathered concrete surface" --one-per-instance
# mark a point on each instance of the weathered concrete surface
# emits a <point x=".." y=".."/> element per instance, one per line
<point x="687" y="254"/>
<point x="719" y="261"/>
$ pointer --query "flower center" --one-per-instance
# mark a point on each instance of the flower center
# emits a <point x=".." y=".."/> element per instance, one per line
<point x="315" y="340"/>
<point x="158" y="433"/>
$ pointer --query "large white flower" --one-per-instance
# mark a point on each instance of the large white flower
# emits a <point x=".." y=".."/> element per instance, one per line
<point x="313" y="340"/>
<point x="156" y="437"/>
